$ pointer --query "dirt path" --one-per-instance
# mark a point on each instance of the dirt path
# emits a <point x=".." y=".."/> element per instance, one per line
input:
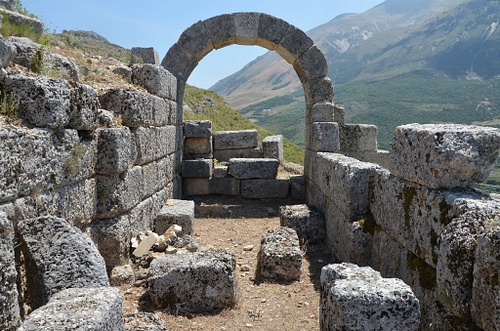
<point x="261" y="305"/>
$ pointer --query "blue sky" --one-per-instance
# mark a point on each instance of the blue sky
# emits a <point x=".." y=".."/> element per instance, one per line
<point x="159" y="23"/>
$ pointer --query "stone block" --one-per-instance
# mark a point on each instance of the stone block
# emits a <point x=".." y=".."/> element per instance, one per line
<point x="143" y="215"/>
<point x="7" y="51"/>
<point x="265" y="188"/>
<point x="114" y="147"/>
<point x="224" y="186"/>
<point x="196" y="41"/>
<point x="311" y="64"/>
<point x="99" y="308"/>
<point x="144" y="55"/>
<point x="153" y="143"/>
<point x="195" y="186"/>
<point x="280" y="255"/>
<point x="247" y="28"/>
<point x="339" y="114"/>
<point x="180" y="212"/>
<point x="325" y="137"/>
<point x="197" y="147"/>
<point x="415" y="215"/>
<point x="272" y="147"/>
<point x="355" y="298"/>
<point x="444" y="156"/>
<point x="271" y="31"/>
<point x="485" y="305"/>
<point x="156" y="80"/>
<point x="138" y="109"/>
<point x="358" y="138"/>
<point x="180" y="62"/>
<point x="193" y="282"/>
<point x="24" y="20"/>
<point x="201" y="168"/>
<point x="323" y="112"/>
<point x="307" y="222"/>
<point x="242" y="168"/>
<point x="222" y="30"/>
<point x="10" y="317"/>
<point x="76" y="203"/>
<point x="380" y="157"/>
<point x="298" y="187"/>
<point x="294" y="43"/>
<point x="197" y="129"/>
<point x="318" y="90"/>
<point x="84" y="105"/>
<point x="225" y="155"/>
<point x="119" y="193"/>
<point x="235" y="139"/>
<point x="58" y="256"/>
<point x="220" y="171"/>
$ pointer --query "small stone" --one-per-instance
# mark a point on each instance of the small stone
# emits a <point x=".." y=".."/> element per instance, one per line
<point x="248" y="248"/>
<point x="245" y="268"/>
<point x="146" y="245"/>
<point x="171" y="250"/>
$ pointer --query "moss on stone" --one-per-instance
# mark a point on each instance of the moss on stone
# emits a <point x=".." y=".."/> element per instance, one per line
<point x="408" y="195"/>
<point x="426" y="273"/>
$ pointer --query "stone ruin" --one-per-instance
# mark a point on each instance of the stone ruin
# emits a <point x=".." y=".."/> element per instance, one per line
<point x="108" y="165"/>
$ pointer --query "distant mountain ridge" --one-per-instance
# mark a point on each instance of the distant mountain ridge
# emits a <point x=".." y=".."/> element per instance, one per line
<point x="399" y="62"/>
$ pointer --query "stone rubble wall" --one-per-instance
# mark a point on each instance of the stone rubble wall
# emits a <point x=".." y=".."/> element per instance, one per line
<point x="421" y="221"/>
<point x="103" y="161"/>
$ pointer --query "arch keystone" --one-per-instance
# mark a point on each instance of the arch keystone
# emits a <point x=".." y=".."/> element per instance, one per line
<point x="247" y="28"/>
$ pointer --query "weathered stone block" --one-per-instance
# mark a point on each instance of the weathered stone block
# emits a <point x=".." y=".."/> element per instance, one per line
<point x="99" y="308"/>
<point x="58" y="256"/>
<point x="220" y="171"/>
<point x="253" y="168"/>
<point x="280" y="255"/>
<point x="77" y="203"/>
<point x="7" y="51"/>
<point x="114" y="147"/>
<point x="415" y="215"/>
<point x="195" y="186"/>
<point x="272" y="147"/>
<point x="355" y="298"/>
<point x="246" y="28"/>
<point x="112" y="238"/>
<point x="143" y="215"/>
<point x="10" y="317"/>
<point x="298" y="187"/>
<point x="318" y="90"/>
<point x="358" y="137"/>
<point x="144" y="55"/>
<point x="180" y="62"/>
<point x="444" y="156"/>
<point x="222" y="30"/>
<point x="84" y="105"/>
<point x="265" y="188"/>
<point x="485" y="305"/>
<point x="180" y="212"/>
<point x="235" y="139"/>
<point x="153" y="143"/>
<point x="225" y="155"/>
<point x="196" y="41"/>
<point x="271" y="31"/>
<point x="24" y="20"/>
<point x="156" y="80"/>
<point x="225" y="186"/>
<point x="294" y="43"/>
<point x="323" y="112"/>
<point x="197" y="168"/>
<point x="119" y="193"/>
<point x="197" y="129"/>
<point x="195" y="282"/>
<point x="311" y="64"/>
<point x="325" y="137"/>
<point x="307" y="222"/>
<point x="198" y="146"/>
<point x="339" y="114"/>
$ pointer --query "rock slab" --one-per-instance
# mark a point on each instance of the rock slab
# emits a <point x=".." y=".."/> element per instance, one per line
<point x="280" y="255"/>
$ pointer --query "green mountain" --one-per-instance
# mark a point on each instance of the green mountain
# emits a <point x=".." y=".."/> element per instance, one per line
<point x="427" y="61"/>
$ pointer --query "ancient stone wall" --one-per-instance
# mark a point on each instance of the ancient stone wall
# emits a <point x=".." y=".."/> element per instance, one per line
<point x="421" y="221"/>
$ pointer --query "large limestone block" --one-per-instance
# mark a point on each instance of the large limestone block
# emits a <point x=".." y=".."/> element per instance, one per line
<point x="225" y="155"/>
<point x="7" y="51"/>
<point x="307" y="222"/>
<point x="139" y="109"/>
<point x="76" y="203"/>
<point x="196" y="186"/>
<point x="272" y="147"/>
<point x="485" y="305"/>
<point x="114" y="150"/>
<point x="201" y="168"/>
<point x="117" y="194"/>
<point x="144" y="55"/>
<point x="112" y="237"/>
<point x="235" y="139"/>
<point x="280" y="256"/>
<point x="323" y="112"/>
<point x="196" y="41"/>
<point x="311" y="64"/>
<point x="79" y="309"/>
<point x="247" y="28"/>
<point x="319" y="90"/>
<point x="444" y="156"/>
<point x="193" y="282"/>
<point x="197" y="129"/>
<point x="58" y="256"/>
<point x="156" y="80"/>
<point x="415" y="215"/>
<point x="9" y="308"/>
<point x="358" y="298"/>
<point x="325" y="137"/>
<point x="224" y="186"/>
<point x="265" y="188"/>
<point x="221" y="29"/>
<point x="358" y="138"/>
<point x="180" y="62"/>
<point x="175" y="211"/>
<point x="242" y="168"/>
<point x="153" y="143"/>
<point x="294" y="43"/>
<point x="198" y="148"/>
<point x="23" y="20"/>
<point x="271" y="31"/>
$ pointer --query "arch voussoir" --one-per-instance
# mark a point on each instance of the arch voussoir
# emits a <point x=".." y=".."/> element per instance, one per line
<point x="294" y="43"/>
<point x="197" y="41"/>
<point x="179" y="62"/>
<point x="271" y="31"/>
<point x="222" y="30"/>
<point x="311" y="65"/>
<point x="247" y="28"/>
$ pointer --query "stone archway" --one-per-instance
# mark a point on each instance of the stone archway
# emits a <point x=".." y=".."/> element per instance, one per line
<point x="259" y="29"/>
